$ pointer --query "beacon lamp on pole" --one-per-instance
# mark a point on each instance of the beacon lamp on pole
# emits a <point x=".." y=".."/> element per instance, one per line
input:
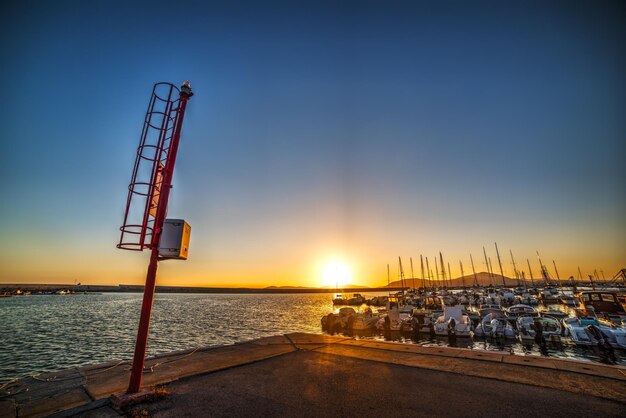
<point x="145" y="226"/>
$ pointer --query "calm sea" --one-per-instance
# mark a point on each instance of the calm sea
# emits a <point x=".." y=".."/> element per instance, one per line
<point x="41" y="333"/>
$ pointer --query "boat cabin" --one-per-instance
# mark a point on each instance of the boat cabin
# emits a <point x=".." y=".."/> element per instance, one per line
<point x="602" y="302"/>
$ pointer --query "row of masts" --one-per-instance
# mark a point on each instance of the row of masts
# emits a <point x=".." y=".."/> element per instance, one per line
<point x="444" y="279"/>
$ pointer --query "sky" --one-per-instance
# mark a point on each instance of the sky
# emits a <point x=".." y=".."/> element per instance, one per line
<point x="319" y="133"/>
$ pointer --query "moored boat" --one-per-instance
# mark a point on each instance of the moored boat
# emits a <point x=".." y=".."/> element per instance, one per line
<point x="453" y="323"/>
<point x="527" y="327"/>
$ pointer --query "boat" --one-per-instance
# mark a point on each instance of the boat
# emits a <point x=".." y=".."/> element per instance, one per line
<point x="338" y="299"/>
<point x="433" y="302"/>
<point x="405" y="314"/>
<point x="362" y="321"/>
<point x="473" y="316"/>
<point x="588" y="331"/>
<point x="576" y="329"/>
<point x="501" y="328"/>
<point x="527" y="328"/>
<point x="605" y="303"/>
<point x="422" y="321"/>
<point x="489" y="308"/>
<point x="392" y="321"/>
<point x="356" y="300"/>
<point x="515" y="311"/>
<point x="484" y="328"/>
<point x="506" y="297"/>
<point x="549" y="296"/>
<point x="554" y="313"/>
<point x="453" y="323"/>
<point x="378" y="301"/>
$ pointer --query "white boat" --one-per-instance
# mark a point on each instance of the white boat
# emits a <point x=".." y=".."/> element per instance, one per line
<point x="576" y="329"/>
<point x="453" y="323"/>
<point x="336" y="322"/>
<point x="395" y="316"/>
<point x="362" y="321"/>
<point x="405" y="312"/>
<point x="506" y="297"/>
<point x="421" y="321"/>
<point x="593" y="331"/>
<point x="527" y="328"/>
<point x="520" y="309"/>
<point x="501" y="328"/>
<point x="484" y="328"/>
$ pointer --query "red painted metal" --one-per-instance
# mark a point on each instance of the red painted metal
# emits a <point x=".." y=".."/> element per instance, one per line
<point x="161" y="159"/>
<point x="137" y="230"/>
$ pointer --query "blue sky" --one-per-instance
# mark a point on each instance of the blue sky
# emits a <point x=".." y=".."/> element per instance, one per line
<point x="318" y="132"/>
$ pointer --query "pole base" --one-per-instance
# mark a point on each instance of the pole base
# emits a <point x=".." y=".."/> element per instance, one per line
<point x="122" y="400"/>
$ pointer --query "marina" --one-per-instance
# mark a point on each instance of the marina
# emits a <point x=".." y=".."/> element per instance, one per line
<point x="550" y="316"/>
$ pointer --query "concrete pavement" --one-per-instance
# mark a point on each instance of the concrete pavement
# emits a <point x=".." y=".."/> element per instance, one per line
<point x="434" y="373"/>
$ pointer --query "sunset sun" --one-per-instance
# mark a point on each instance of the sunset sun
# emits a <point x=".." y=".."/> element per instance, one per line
<point x="336" y="274"/>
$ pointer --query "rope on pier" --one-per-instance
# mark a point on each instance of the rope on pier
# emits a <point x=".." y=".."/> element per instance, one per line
<point x="54" y="378"/>
<point x="7" y="385"/>
<point x="151" y="369"/>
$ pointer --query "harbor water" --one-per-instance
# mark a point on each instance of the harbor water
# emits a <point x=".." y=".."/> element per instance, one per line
<point x="42" y="333"/>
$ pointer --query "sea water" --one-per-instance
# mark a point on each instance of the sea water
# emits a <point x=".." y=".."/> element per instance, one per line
<point x="42" y="333"/>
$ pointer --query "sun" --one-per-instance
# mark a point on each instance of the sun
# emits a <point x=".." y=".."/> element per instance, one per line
<point x="335" y="274"/>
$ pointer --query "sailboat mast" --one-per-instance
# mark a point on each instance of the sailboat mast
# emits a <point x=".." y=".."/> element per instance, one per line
<point x="530" y="270"/>
<point x="593" y="285"/>
<point x="474" y="270"/>
<point x="401" y="273"/>
<point x="423" y="280"/>
<point x="449" y="275"/>
<point x="462" y="274"/>
<point x="412" y="275"/>
<point x="430" y="276"/>
<point x="487" y="265"/>
<point x="443" y="270"/>
<point x="500" y="263"/>
<point x="557" y="274"/>
<point x="544" y="270"/>
<point x="515" y="269"/>
<point x="491" y="272"/>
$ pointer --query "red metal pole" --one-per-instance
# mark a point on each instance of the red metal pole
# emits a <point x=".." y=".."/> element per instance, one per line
<point x="148" y="294"/>
<point x="144" y="324"/>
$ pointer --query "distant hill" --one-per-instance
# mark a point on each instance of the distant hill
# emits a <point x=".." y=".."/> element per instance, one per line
<point x="483" y="278"/>
<point x="286" y="287"/>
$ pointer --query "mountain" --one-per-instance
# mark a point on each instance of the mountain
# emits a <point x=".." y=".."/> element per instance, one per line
<point x="286" y="287"/>
<point x="483" y="278"/>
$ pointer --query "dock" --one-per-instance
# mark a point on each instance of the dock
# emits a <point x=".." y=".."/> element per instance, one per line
<point x="303" y="374"/>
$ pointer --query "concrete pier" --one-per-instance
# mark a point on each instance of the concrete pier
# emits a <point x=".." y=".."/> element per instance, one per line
<point x="318" y="375"/>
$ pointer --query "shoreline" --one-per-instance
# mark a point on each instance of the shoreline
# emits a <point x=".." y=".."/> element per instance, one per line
<point x="49" y="288"/>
